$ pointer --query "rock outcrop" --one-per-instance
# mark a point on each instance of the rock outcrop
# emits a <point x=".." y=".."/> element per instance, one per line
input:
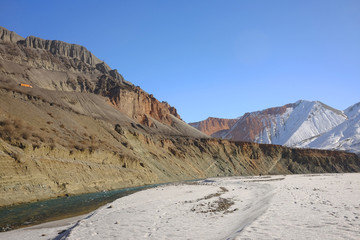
<point x="142" y="107"/>
<point x="63" y="49"/>
<point x="9" y="36"/>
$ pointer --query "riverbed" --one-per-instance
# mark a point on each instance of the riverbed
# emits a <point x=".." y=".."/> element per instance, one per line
<point x="318" y="206"/>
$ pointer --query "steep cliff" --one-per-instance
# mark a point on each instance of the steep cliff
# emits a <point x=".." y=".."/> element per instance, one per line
<point x="141" y="106"/>
<point x="56" y="65"/>
<point x="59" y="48"/>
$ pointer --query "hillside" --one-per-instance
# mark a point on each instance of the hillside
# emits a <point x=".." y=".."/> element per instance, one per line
<point x="82" y="128"/>
<point x="63" y="67"/>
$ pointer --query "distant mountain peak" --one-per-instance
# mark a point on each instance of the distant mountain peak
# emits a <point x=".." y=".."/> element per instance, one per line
<point x="353" y="110"/>
<point x="293" y="124"/>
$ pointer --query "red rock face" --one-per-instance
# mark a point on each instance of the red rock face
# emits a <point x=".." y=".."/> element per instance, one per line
<point x="246" y="128"/>
<point x="141" y="106"/>
<point x="250" y="126"/>
<point x="276" y="110"/>
<point x="213" y="126"/>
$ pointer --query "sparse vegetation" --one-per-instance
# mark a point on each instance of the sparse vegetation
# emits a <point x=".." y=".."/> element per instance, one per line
<point x="118" y="129"/>
<point x="35" y="135"/>
<point x="15" y="156"/>
<point x="79" y="147"/>
<point x="25" y="135"/>
<point x="20" y="134"/>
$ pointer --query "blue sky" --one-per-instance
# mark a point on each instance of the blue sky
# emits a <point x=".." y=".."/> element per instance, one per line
<point x="212" y="58"/>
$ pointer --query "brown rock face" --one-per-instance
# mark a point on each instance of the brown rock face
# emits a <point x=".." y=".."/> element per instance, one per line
<point x="141" y="106"/>
<point x="214" y="126"/>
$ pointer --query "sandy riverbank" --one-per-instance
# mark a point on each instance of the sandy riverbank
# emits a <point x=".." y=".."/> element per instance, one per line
<point x="269" y="207"/>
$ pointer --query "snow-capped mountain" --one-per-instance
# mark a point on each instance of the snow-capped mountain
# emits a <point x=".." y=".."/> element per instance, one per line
<point x="290" y="125"/>
<point x="308" y="124"/>
<point x="346" y="136"/>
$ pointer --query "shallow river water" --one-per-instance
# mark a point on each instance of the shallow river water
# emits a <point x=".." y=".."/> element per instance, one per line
<point x="59" y="208"/>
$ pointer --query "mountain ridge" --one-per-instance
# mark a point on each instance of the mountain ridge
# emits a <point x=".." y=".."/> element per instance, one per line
<point x="297" y="124"/>
<point x="74" y="68"/>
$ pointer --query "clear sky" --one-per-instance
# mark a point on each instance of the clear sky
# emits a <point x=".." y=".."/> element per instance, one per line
<point x="212" y="58"/>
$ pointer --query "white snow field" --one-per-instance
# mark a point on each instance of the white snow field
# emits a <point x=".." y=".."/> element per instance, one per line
<point x="322" y="206"/>
<point x="345" y="136"/>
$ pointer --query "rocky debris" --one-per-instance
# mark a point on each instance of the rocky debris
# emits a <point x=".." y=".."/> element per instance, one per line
<point x="213" y="203"/>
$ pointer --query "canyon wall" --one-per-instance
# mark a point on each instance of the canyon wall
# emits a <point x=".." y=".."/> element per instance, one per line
<point x="43" y="172"/>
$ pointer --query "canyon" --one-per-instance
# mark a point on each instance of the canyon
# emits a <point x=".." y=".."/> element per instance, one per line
<point x="81" y="127"/>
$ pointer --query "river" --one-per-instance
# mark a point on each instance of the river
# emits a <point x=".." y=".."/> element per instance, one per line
<point x="54" y="209"/>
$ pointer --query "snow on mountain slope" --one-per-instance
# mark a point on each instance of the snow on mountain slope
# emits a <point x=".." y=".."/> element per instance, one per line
<point x="345" y="136"/>
<point x="307" y="121"/>
<point x="290" y="125"/>
<point x="304" y="124"/>
<point x="352" y="111"/>
<point x="259" y="126"/>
